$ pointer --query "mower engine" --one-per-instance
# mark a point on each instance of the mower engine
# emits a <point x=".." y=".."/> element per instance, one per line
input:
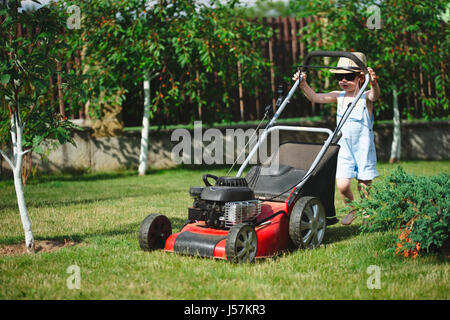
<point x="229" y="202"/>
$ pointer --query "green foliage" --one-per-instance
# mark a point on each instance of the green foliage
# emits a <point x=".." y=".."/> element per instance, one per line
<point x="412" y="36"/>
<point x="401" y="198"/>
<point x="193" y="46"/>
<point x="28" y="62"/>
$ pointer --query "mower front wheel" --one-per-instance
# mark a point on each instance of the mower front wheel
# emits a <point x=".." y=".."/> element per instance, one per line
<point x="241" y="243"/>
<point x="154" y="231"/>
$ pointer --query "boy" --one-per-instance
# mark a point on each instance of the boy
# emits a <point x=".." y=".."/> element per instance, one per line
<point x="357" y="156"/>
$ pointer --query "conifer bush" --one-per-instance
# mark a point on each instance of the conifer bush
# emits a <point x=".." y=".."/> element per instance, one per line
<point x="416" y="206"/>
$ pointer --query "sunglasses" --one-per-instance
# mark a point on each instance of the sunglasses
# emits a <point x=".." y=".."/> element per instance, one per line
<point x="348" y="76"/>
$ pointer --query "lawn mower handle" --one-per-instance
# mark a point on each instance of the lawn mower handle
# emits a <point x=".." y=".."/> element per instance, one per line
<point x="344" y="54"/>
<point x="332" y="138"/>
<point x="270" y="124"/>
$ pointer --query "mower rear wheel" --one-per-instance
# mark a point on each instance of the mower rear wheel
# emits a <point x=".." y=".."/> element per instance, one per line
<point x="307" y="223"/>
<point x="241" y="243"/>
<point x="154" y="231"/>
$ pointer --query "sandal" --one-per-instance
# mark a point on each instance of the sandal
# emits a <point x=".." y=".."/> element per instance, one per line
<point x="349" y="218"/>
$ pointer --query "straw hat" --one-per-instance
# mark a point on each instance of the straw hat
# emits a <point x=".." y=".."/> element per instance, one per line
<point x="347" y="63"/>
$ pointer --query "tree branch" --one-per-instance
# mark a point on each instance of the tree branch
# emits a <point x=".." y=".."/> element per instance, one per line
<point x="7" y="159"/>
<point x="26" y="151"/>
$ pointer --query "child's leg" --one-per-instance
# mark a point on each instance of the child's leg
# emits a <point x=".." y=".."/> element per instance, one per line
<point x="345" y="191"/>
<point x="343" y="185"/>
<point x="363" y="188"/>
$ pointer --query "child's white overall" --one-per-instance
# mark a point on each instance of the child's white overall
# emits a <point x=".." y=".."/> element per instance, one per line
<point x="357" y="156"/>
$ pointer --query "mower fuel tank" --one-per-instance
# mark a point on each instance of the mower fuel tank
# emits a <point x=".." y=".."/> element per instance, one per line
<point x="227" y="194"/>
<point x="228" y="189"/>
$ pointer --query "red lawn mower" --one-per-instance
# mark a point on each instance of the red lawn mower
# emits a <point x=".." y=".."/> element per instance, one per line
<point x="270" y="210"/>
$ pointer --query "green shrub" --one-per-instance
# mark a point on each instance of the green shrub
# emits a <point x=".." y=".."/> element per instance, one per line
<point x="416" y="204"/>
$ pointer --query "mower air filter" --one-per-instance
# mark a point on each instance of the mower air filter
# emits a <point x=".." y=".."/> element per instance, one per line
<point x="241" y="211"/>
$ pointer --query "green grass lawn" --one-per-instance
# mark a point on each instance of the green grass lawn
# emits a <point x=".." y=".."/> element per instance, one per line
<point x="102" y="214"/>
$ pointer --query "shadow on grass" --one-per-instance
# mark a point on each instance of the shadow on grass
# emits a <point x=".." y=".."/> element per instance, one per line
<point x="94" y="176"/>
<point x="81" y="177"/>
<point x="114" y="194"/>
<point x="52" y="203"/>
<point x="127" y="229"/>
<point x="341" y="233"/>
<point x="131" y="228"/>
<point x="77" y="237"/>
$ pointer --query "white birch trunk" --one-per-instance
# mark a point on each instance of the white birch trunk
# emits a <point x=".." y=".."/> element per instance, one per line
<point x="145" y="125"/>
<point x="16" y="166"/>
<point x="396" y="135"/>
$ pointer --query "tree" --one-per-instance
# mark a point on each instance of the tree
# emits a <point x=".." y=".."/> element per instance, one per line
<point x="30" y="46"/>
<point x="401" y="38"/>
<point x="143" y="156"/>
<point x="194" y="47"/>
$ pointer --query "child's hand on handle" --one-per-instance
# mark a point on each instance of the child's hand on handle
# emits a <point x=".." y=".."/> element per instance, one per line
<point x="297" y="75"/>
<point x="374" y="92"/>
<point x="372" y="76"/>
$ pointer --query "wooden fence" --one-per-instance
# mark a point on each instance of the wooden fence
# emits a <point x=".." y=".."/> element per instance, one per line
<point x="285" y="50"/>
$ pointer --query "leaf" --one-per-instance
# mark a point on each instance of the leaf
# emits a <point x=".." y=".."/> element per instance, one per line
<point x="4" y="78"/>
<point x="37" y="140"/>
<point x="38" y="150"/>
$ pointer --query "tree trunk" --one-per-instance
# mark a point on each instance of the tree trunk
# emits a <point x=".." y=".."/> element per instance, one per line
<point x="16" y="166"/>
<point x="26" y="222"/>
<point x="241" y="92"/>
<point x="145" y="124"/>
<point x="397" y="135"/>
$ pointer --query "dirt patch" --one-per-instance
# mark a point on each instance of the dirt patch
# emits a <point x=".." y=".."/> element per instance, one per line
<point x="40" y="246"/>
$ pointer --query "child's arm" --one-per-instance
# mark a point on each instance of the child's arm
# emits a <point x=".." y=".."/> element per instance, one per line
<point x="374" y="93"/>
<point x="312" y="96"/>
